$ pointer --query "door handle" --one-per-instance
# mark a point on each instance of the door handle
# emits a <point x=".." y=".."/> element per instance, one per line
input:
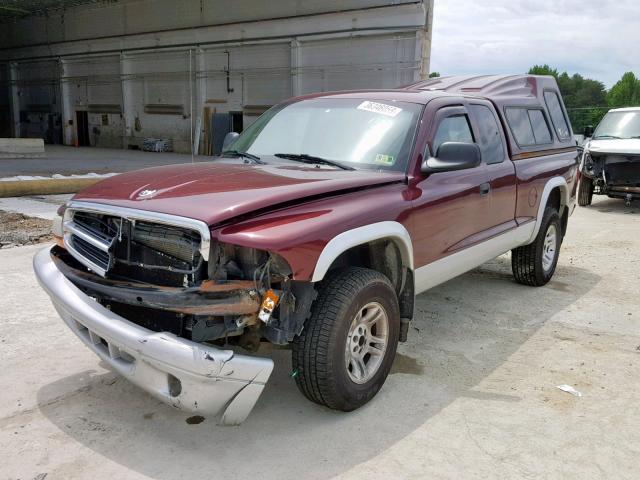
<point x="485" y="188"/>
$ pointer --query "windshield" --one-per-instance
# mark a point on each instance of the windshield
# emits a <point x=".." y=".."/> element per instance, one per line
<point x="356" y="133"/>
<point x="619" y="125"/>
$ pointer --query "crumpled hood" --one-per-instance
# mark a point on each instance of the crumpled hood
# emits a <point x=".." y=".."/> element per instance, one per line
<point x="214" y="192"/>
<point x="629" y="146"/>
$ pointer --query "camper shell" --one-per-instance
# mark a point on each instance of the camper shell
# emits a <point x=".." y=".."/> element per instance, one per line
<point x="512" y="92"/>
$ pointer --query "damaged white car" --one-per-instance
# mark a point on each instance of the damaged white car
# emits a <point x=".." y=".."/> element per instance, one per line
<point x="611" y="159"/>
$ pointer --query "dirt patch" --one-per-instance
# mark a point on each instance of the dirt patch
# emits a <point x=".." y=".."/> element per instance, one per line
<point x="406" y="364"/>
<point x="195" y="420"/>
<point x="17" y="229"/>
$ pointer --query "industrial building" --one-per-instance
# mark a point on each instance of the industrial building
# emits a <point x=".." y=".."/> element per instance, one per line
<point x="112" y="73"/>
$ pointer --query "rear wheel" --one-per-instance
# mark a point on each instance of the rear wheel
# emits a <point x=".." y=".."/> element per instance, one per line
<point x="585" y="191"/>
<point x="534" y="264"/>
<point x="347" y="347"/>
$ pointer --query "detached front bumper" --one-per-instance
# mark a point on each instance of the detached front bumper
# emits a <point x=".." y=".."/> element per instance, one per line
<point x="185" y="374"/>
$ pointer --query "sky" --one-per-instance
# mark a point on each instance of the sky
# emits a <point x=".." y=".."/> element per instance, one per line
<point x="597" y="39"/>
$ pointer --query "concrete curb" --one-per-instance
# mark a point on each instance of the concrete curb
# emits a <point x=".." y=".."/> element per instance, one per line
<point x="22" y="146"/>
<point x="45" y="186"/>
<point x="13" y="156"/>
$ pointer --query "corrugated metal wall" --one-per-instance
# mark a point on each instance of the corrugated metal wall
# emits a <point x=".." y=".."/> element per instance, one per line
<point x="170" y="84"/>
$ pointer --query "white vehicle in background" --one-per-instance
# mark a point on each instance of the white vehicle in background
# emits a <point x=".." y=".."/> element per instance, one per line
<point x="611" y="160"/>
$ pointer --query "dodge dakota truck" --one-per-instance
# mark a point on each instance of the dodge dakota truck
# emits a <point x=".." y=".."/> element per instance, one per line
<point x="611" y="159"/>
<point x="316" y="228"/>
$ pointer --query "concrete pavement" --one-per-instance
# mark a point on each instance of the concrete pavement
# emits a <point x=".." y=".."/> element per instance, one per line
<point x="41" y="206"/>
<point x="65" y="160"/>
<point x="472" y="394"/>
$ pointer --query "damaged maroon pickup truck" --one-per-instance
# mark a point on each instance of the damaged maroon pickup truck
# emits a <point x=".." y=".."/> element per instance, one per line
<point x="316" y="229"/>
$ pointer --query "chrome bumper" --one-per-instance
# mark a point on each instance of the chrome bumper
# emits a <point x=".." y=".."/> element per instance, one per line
<point x="181" y="373"/>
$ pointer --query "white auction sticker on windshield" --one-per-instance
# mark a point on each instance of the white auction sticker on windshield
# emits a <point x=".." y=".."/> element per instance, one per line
<point x="384" y="109"/>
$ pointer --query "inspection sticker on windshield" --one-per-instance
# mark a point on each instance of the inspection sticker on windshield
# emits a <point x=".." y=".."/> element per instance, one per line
<point x="384" y="159"/>
<point x="388" y="110"/>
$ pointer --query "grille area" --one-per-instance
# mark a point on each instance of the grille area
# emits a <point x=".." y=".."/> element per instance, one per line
<point x="95" y="255"/>
<point x="102" y="227"/>
<point x="176" y="242"/>
<point x="90" y="238"/>
<point x="138" y="250"/>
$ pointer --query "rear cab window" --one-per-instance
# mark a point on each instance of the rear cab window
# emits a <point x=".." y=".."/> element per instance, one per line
<point x="558" y="118"/>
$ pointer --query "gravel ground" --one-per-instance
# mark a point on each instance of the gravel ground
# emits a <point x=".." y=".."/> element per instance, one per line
<point x="18" y="229"/>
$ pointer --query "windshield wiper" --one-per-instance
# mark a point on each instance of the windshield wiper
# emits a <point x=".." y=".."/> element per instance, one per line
<point x="606" y="136"/>
<point x="304" y="158"/>
<point x="250" y="156"/>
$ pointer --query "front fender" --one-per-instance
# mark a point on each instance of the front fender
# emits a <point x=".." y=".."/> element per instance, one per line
<point x="361" y="235"/>
<point x="310" y="236"/>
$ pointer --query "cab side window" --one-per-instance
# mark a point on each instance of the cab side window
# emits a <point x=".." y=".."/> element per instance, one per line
<point x="452" y="129"/>
<point x="490" y="140"/>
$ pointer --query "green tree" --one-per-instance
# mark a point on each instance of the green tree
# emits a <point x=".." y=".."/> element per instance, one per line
<point x="434" y="74"/>
<point x="584" y="98"/>
<point x="625" y="93"/>
<point x="543" y="70"/>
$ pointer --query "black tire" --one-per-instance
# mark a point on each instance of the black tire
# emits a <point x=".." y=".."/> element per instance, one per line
<point x="319" y="351"/>
<point x="527" y="261"/>
<point x="585" y="191"/>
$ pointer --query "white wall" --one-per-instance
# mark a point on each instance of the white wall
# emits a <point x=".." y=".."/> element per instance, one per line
<point x="373" y="61"/>
<point x="88" y="84"/>
<point x="131" y="17"/>
<point x="105" y="57"/>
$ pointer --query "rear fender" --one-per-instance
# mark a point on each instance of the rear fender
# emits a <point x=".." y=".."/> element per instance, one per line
<point x="565" y="200"/>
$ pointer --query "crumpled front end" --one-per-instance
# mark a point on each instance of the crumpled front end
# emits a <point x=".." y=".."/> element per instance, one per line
<point x="160" y="301"/>
<point x="188" y="375"/>
<point x="165" y="273"/>
<point x="613" y="174"/>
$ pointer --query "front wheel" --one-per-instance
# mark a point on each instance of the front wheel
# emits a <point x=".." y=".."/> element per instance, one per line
<point x="534" y="264"/>
<point x="585" y="191"/>
<point x="345" y="352"/>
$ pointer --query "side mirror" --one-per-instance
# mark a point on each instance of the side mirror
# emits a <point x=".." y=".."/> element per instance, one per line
<point x="229" y="138"/>
<point x="588" y="131"/>
<point x="453" y="156"/>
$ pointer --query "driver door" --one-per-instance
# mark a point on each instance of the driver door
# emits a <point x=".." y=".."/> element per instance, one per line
<point x="451" y="211"/>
